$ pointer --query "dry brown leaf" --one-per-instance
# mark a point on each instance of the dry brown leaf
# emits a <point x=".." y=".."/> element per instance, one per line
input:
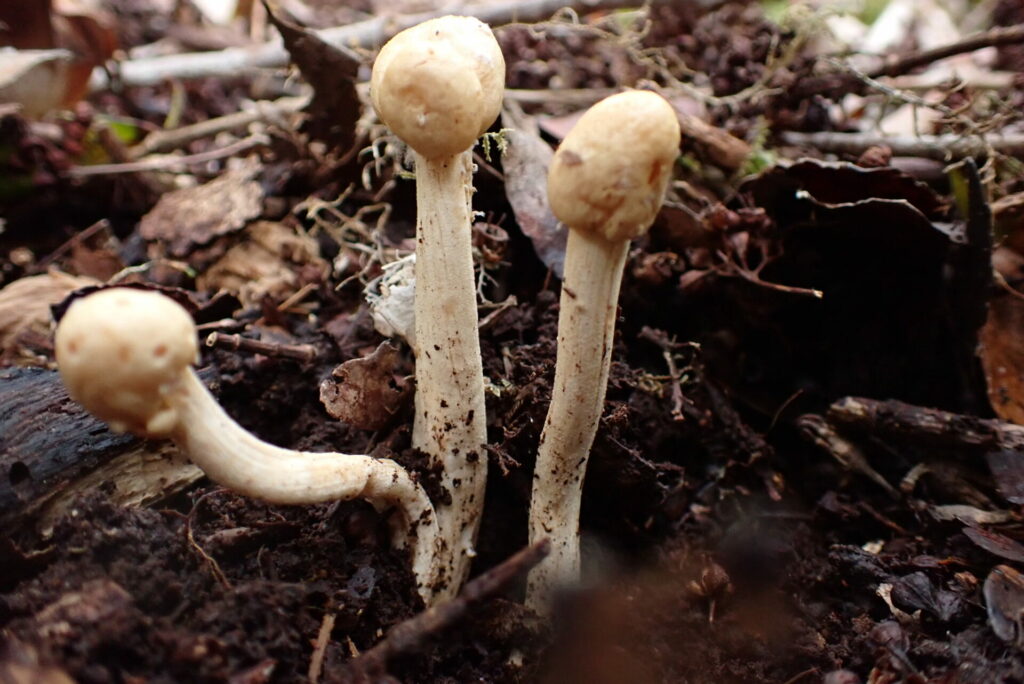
<point x="88" y="32"/>
<point x="191" y="217"/>
<point x="1004" y="600"/>
<point x="265" y="264"/>
<point x="1008" y="216"/>
<point x="25" y="306"/>
<point x="525" y="164"/>
<point x="332" y="71"/>
<point x="1002" y="356"/>
<point x="56" y="50"/>
<point x="366" y="393"/>
<point x="34" y="79"/>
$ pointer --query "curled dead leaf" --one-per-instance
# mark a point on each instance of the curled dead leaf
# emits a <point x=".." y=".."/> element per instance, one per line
<point x="332" y="71"/>
<point x="25" y="307"/>
<point x="1004" y="601"/>
<point x="56" y="50"/>
<point x="391" y="299"/>
<point x="1002" y="357"/>
<point x="525" y="165"/>
<point x="366" y="393"/>
<point x="34" y="79"/>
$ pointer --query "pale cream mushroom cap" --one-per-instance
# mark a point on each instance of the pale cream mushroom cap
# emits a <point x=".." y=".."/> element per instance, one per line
<point x="439" y="84"/>
<point x="122" y="352"/>
<point x="610" y="173"/>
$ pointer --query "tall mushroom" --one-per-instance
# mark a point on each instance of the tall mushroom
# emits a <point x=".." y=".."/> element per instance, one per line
<point x="606" y="183"/>
<point x="438" y="86"/>
<point x="126" y="354"/>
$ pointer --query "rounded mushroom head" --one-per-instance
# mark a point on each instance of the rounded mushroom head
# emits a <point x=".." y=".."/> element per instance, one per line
<point x="610" y="173"/>
<point x="121" y="353"/>
<point x="438" y="85"/>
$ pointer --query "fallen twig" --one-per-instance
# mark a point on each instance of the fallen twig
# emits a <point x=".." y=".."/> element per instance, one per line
<point x="668" y="348"/>
<point x="576" y="97"/>
<point x="938" y="147"/>
<point x="173" y="139"/>
<point x="942" y="428"/>
<point x="165" y="163"/>
<point x="211" y="563"/>
<point x="367" y="34"/>
<point x="1000" y="443"/>
<point x="898" y="65"/>
<point x="407" y="636"/>
<point x="316" y="662"/>
<point x="76" y="240"/>
<point x="301" y="352"/>
<point x="817" y="430"/>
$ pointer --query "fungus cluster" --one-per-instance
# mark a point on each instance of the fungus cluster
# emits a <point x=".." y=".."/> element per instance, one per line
<point x="126" y="354"/>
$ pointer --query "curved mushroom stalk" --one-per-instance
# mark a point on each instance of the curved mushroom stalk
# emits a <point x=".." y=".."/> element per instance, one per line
<point x="439" y="86"/>
<point x="606" y="183"/>
<point x="125" y="355"/>
<point x="236" y="459"/>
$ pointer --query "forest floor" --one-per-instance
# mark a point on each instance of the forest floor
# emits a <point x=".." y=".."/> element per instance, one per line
<point x="808" y="468"/>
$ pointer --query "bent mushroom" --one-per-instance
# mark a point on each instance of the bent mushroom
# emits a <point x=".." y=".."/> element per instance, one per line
<point x="126" y="354"/>
<point x="439" y="86"/>
<point x="606" y="183"/>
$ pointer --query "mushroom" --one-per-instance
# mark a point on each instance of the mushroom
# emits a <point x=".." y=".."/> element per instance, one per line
<point x="126" y="354"/>
<point x="438" y="86"/>
<point x="606" y="183"/>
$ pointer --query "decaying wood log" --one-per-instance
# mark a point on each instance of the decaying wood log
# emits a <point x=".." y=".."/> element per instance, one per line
<point x="941" y="428"/>
<point x="52" y="451"/>
<point x="1000" y="442"/>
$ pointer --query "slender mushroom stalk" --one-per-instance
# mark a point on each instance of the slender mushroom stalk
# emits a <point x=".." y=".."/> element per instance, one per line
<point x="438" y="86"/>
<point x="126" y="355"/>
<point x="606" y="183"/>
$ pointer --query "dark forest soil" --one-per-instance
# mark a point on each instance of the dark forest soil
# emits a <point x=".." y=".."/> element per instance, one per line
<point x="721" y="542"/>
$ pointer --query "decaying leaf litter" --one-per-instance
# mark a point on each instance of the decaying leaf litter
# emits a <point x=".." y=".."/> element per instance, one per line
<point x="807" y="469"/>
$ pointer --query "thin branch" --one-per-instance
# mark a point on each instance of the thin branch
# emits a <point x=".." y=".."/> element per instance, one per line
<point x="668" y="347"/>
<point x="407" y="636"/>
<point x="366" y="34"/>
<point x="893" y="418"/>
<point x="938" y="147"/>
<point x="576" y="97"/>
<point x="819" y="432"/>
<point x="171" y="162"/>
<point x="175" y="138"/>
<point x="898" y="65"/>
<point x="316" y="662"/>
<point x="300" y="352"/>
<point x="77" y="239"/>
<point x="211" y="563"/>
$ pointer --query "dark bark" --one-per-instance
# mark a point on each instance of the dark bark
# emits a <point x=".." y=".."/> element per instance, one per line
<point x="51" y="450"/>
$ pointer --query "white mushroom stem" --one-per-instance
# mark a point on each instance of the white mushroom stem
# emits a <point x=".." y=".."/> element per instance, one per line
<point x="438" y="86"/>
<point x="606" y="183"/>
<point x="236" y="459"/>
<point x="586" y="328"/>
<point x="125" y="355"/>
<point x="450" y="423"/>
